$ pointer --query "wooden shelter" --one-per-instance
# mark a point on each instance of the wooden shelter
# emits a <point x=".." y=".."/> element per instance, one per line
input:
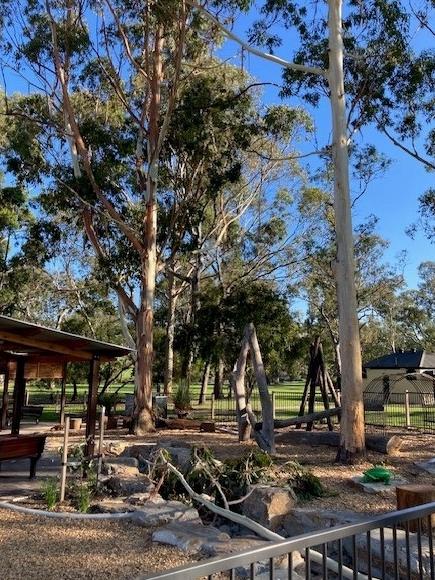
<point x="29" y="351"/>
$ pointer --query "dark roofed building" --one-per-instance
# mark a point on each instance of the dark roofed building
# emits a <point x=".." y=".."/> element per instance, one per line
<point x="407" y="359"/>
<point x="400" y="362"/>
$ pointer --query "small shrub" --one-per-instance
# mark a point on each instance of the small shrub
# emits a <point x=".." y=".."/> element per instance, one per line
<point x="109" y="401"/>
<point x="182" y="399"/>
<point x="304" y="483"/>
<point x="50" y="492"/>
<point x="83" y="497"/>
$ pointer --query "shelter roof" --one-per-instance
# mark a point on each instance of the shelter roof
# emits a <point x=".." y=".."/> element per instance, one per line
<point x="408" y="359"/>
<point x="19" y="337"/>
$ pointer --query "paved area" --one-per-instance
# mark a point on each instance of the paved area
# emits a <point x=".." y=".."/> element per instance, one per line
<point x="14" y="474"/>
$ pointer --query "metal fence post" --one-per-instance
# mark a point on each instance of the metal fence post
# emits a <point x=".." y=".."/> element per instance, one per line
<point x="273" y="406"/>
<point x="407" y="411"/>
<point x="212" y="407"/>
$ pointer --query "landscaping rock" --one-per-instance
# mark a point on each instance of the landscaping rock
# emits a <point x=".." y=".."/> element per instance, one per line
<point x="190" y="536"/>
<point x="386" y="550"/>
<point x="262" y="568"/>
<point x="128" y="461"/>
<point x="109" y="468"/>
<point x="154" y="513"/>
<point x="143" y="450"/>
<point x="268" y="505"/>
<point x="180" y="456"/>
<point x="377" y="487"/>
<point x="428" y="466"/>
<point x="122" y="485"/>
<point x="303" y="520"/>
<point x="157" y="514"/>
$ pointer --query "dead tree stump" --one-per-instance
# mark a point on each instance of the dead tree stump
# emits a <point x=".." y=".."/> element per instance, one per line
<point x="413" y="495"/>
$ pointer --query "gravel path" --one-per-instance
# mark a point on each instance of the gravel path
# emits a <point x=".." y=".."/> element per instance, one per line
<point x="33" y="548"/>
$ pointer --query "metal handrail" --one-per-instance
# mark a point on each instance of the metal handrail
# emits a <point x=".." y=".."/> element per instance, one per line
<point x="298" y="543"/>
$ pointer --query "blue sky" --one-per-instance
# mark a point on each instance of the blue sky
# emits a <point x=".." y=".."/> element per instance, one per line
<point x="392" y="198"/>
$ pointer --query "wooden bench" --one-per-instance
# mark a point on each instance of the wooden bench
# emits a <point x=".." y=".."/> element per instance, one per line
<point x="29" y="412"/>
<point x="22" y="446"/>
<point x="32" y="412"/>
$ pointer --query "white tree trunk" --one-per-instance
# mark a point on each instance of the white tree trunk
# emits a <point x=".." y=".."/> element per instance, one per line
<point x="267" y="434"/>
<point x="240" y="390"/>
<point x="170" y="332"/>
<point x="352" y="445"/>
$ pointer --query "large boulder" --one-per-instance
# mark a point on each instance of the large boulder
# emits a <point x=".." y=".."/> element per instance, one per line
<point x="268" y="505"/>
<point x="125" y="485"/>
<point x="139" y="451"/>
<point x="156" y="513"/>
<point x="124" y="466"/>
<point x="190" y="537"/>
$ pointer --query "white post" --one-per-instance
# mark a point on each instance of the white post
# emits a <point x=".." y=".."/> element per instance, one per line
<point x="273" y="406"/>
<point x="407" y="410"/>
<point x="64" y="460"/>
<point x="100" y="442"/>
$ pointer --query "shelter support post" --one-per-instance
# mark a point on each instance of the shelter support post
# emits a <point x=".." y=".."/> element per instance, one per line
<point x="62" y="397"/>
<point x="91" y="417"/>
<point x="19" y="392"/>
<point x="5" y="399"/>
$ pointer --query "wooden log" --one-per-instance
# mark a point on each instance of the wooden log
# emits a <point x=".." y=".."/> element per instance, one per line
<point x="313" y="417"/>
<point x="412" y="495"/>
<point x="188" y="424"/>
<point x="378" y="443"/>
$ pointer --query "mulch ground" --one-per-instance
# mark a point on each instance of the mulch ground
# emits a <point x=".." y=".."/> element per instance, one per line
<point x="37" y="547"/>
<point x="32" y="548"/>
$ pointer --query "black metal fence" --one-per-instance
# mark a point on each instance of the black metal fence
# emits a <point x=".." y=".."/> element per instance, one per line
<point x="285" y="405"/>
<point x="395" y="546"/>
<point x="405" y="411"/>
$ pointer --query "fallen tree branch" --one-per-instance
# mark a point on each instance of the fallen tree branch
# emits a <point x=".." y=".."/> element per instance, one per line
<point x="255" y="527"/>
<point x="311" y="418"/>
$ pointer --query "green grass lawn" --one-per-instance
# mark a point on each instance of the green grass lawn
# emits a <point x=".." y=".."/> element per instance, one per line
<point x="287" y="402"/>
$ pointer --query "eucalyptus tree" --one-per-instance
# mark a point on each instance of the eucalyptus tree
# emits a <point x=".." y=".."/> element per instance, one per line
<point x="377" y="284"/>
<point x="355" y="60"/>
<point x="219" y="164"/>
<point x="106" y="77"/>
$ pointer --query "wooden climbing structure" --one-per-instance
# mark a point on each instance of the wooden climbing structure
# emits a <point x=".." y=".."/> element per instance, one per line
<point x="318" y="377"/>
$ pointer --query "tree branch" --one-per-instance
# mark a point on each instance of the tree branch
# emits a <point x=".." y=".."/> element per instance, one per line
<point x="256" y="51"/>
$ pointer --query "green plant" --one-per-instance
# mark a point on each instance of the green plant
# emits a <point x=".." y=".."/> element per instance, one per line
<point x="182" y="399"/>
<point x="304" y="483"/>
<point x="83" y="497"/>
<point x="109" y="401"/>
<point x="50" y="492"/>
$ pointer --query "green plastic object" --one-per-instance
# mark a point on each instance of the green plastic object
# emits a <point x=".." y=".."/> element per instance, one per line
<point x="377" y="474"/>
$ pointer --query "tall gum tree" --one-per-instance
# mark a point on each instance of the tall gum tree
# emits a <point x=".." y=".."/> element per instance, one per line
<point x="108" y="70"/>
<point x="352" y="444"/>
<point x="361" y="56"/>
